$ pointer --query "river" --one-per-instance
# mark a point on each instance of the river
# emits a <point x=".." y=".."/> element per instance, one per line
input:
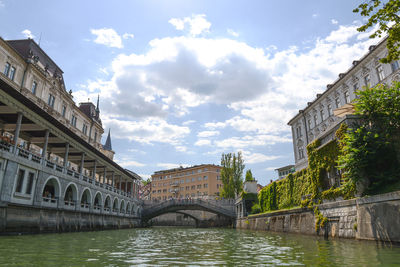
<point x="190" y="246"/>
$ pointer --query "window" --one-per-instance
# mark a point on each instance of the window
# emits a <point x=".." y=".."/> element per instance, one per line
<point x="346" y="97"/>
<point x="7" y="69"/>
<point x="51" y="100"/>
<point x="34" y="86"/>
<point x="193" y="187"/>
<point x="95" y="139"/>
<point x="12" y="73"/>
<point x="315" y="120"/>
<point x="355" y="87"/>
<point x="218" y="177"/>
<point x="20" y="181"/>
<point x="63" y="111"/>
<point x="198" y="178"/>
<point x="193" y="179"/>
<point x="381" y="74"/>
<point x="330" y="110"/>
<point x="199" y="170"/>
<point x="84" y="129"/>
<point x="199" y="186"/>
<point x="298" y="132"/>
<point x="301" y="153"/>
<point x="182" y="181"/>
<point x="164" y="191"/>
<point x="73" y="122"/>
<point x="205" y="178"/>
<point x="187" y="187"/>
<point x="187" y="180"/>
<point x="25" y="180"/>
<point x="395" y="65"/>
<point x="31" y="176"/>
<point x="205" y="185"/>
<point x="337" y="102"/>
<point x="367" y="80"/>
<point x="309" y="124"/>
<point x="322" y="114"/>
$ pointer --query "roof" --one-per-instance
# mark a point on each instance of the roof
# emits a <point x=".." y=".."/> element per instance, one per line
<point x="107" y="145"/>
<point x="184" y="169"/>
<point x="285" y="167"/>
<point x="341" y="77"/>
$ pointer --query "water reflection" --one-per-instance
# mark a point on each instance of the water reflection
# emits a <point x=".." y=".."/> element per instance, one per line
<point x="189" y="246"/>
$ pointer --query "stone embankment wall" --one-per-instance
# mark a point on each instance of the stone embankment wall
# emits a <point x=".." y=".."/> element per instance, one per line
<point x="369" y="218"/>
<point x="16" y="219"/>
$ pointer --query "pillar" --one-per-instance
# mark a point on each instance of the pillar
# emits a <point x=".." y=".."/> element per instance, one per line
<point x="17" y="130"/>
<point x="66" y="155"/>
<point x="120" y="182"/>
<point x="46" y="142"/>
<point x="82" y="163"/>
<point x="94" y="171"/>
<point x="113" y="179"/>
<point x="104" y="177"/>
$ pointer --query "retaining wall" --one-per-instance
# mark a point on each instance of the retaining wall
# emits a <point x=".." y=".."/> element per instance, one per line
<point x="16" y="219"/>
<point x="370" y="218"/>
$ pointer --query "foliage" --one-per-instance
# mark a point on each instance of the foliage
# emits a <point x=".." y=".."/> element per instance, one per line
<point x="248" y="196"/>
<point x="385" y="17"/>
<point x="369" y="157"/>
<point x="232" y="174"/>
<point x="146" y="182"/>
<point x="285" y="193"/>
<point x="320" y="220"/>
<point x="249" y="176"/>
<point x="255" y="208"/>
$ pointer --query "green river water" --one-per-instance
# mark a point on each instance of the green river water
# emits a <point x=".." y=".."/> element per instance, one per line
<point x="169" y="246"/>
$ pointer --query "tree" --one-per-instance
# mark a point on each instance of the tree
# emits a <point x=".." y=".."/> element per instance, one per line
<point x="249" y="176"/>
<point x="385" y="15"/>
<point x="231" y="174"/>
<point x="370" y="151"/>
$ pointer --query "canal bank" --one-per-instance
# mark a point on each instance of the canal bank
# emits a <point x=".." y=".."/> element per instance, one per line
<point x="17" y="219"/>
<point x="368" y="218"/>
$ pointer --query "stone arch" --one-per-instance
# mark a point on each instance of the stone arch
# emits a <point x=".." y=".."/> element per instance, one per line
<point x="115" y="205"/>
<point x="122" y="206"/>
<point x="133" y="209"/>
<point x="107" y="203"/>
<point x="86" y="198"/>
<point x="51" y="191"/>
<point x="97" y="201"/>
<point x="128" y="208"/>
<point x="71" y="194"/>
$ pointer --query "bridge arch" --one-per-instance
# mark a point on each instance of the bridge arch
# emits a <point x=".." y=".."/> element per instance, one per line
<point x="174" y="205"/>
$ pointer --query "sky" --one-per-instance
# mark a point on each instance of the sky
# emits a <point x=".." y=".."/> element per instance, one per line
<point x="181" y="81"/>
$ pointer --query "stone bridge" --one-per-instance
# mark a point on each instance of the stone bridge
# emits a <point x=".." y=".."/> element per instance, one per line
<point x="225" y="207"/>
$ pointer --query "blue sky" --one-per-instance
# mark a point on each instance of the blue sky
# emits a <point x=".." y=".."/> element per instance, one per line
<point x="181" y="82"/>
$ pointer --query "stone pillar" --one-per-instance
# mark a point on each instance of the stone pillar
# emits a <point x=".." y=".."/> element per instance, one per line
<point x="113" y="179"/>
<point x="105" y="174"/>
<point x="66" y="155"/>
<point x="82" y="163"/>
<point x="94" y="172"/>
<point x="126" y="186"/>
<point x="17" y="130"/>
<point x="132" y="188"/>
<point x="46" y="142"/>
<point x="120" y="183"/>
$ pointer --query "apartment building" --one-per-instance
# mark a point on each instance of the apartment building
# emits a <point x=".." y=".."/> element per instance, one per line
<point x="198" y="181"/>
<point x="322" y="117"/>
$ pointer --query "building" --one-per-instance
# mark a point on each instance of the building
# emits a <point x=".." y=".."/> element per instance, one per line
<point x="322" y="117"/>
<point x="192" y="182"/>
<point x="51" y="156"/>
<point x="283" y="171"/>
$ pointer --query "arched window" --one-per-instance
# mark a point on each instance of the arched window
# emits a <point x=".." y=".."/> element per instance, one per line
<point x="115" y="206"/>
<point x="97" y="201"/>
<point x="85" y="199"/>
<point x="51" y="191"/>
<point x="70" y="196"/>
<point x="107" y="204"/>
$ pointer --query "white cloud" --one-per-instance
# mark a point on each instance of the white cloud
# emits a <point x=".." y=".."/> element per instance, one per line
<point x="232" y="32"/>
<point x="128" y="36"/>
<point x="2" y="4"/>
<point x="251" y="141"/>
<point x="129" y="163"/>
<point x="171" y="165"/>
<point x="108" y="37"/>
<point x="144" y="176"/>
<point x="188" y="122"/>
<point x="315" y="15"/>
<point x="207" y="134"/>
<point x="251" y="158"/>
<point x="27" y="33"/>
<point x="196" y="24"/>
<point x="271" y="168"/>
<point x="343" y="34"/>
<point x="203" y="142"/>
<point x="334" y="21"/>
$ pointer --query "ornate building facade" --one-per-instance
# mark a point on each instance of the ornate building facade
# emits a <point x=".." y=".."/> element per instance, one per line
<point x="323" y="116"/>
